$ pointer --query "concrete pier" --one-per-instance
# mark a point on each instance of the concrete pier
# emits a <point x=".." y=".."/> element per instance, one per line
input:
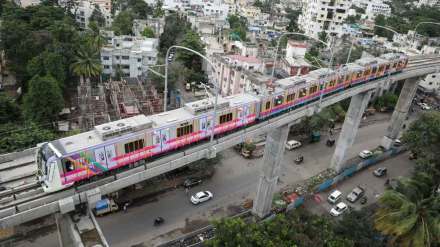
<point x="350" y="127"/>
<point x="402" y="107"/>
<point x="273" y="155"/>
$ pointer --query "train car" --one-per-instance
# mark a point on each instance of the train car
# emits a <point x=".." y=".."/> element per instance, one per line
<point x="64" y="162"/>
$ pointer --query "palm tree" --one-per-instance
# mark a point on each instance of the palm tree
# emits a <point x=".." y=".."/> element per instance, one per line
<point x="410" y="214"/>
<point x="87" y="62"/>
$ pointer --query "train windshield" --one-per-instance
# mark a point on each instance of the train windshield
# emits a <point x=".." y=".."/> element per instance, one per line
<point x="43" y="155"/>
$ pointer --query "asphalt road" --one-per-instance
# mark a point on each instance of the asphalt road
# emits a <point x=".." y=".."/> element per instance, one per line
<point x="235" y="180"/>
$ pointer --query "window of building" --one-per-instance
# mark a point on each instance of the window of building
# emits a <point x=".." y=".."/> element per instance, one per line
<point x="125" y="57"/>
<point x="225" y="118"/>
<point x="185" y="130"/>
<point x="133" y="146"/>
<point x="267" y="105"/>
<point x="290" y="97"/>
<point x="139" y="60"/>
<point x="126" y="66"/>
<point x="432" y="76"/>
<point x="105" y="58"/>
<point x="106" y="67"/>
<point x="117" y="57"/>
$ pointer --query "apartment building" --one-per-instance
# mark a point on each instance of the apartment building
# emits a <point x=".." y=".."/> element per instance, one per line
<point x="156" y="24"/>
<point x="130" y="55"/>
<point x="84" y="10"/>
<point x="324" y="15"/>
<point x="232" y="72"/>
<point x="294" y="63"/>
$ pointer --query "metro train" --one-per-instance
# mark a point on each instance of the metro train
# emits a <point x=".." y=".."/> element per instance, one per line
<point x="78" y="158"/>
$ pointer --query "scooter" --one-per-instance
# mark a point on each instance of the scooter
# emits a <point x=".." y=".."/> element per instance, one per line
<point x="158" y="221"/>
<point x="299" y="159"/>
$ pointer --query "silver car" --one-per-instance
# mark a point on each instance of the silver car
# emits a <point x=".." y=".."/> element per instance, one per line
<point x="201" y="196"/>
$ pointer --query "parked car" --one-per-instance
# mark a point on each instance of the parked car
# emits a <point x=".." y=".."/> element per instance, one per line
<point x="412" y="156"/>
<point x="334" y="196"/>
<point x="292" y="144"/>
<point x="201" y="196"/>
<point x="397" y="143"/>
<point x="355" y="194"/>
<point x="191" y="182"/>
<point x="365" y="154"/>
<point x="424" y="106"/>
<point x="339" y="209"/>
<point x="379" y="172"/>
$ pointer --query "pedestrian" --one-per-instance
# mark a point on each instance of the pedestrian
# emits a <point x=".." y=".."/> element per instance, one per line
<point x="186" y="191"/>
<point x="125" y="207"/>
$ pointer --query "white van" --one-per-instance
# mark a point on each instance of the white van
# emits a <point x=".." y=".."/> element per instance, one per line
<point x="334" y="196"/>
<point x="292" y="144"/>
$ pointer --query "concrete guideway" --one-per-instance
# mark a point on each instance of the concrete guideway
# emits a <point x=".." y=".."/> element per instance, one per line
<point x="49" y="205"/>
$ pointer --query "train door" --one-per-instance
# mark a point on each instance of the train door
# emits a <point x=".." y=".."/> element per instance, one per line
<point x="242" y="113"/>
<point x="110" y="155"/>
<point x="157" y="147"/>
<point x="100" y="164"/>
<point x="164" y="138"/>
<point x="204" y="128"/>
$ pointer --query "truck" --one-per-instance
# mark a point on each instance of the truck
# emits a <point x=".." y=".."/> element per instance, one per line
<point x="105" y="206"/>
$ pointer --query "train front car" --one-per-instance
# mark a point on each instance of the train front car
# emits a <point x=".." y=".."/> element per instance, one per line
<point x="48" y="174"/>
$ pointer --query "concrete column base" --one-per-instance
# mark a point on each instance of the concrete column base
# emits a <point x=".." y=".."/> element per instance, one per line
<point x="273" y="155"/>
<point x="68" y="236"/>
<point x="387" y="142"/>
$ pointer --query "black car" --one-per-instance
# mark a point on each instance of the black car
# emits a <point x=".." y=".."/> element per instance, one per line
<point x="190" y="182"/>
<point x="379" y="172"/>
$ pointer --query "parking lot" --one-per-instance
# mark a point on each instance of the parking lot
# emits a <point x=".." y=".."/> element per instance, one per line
<point x="374" y="186"/>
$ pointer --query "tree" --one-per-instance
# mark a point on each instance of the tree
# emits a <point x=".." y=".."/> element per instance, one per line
<point x="97" y="16"/>
<point x="15" y="137"/>
<point x="87" y="63"/>
<point x="9" y="110"/>
<point x="292" y="15"/>
<point x="123" y="23"/>
<point x="238" y="25"/>
<point x="48" y="63"/>
<point x="423" y="138"/>
<point x="148" y="32"/>
<point x="410" y="214"/>
<point x="140" y="9"/>
<point x="158" y="9"/>
<point x="174" y="30"/>
<point x="44" y="100"/>
<point x="189" y="59"/>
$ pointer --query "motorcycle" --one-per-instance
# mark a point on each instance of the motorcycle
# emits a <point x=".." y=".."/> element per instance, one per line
<point x="299" y="159"/>
<point x="158" y="221"/>
<point x="363" y="200"/>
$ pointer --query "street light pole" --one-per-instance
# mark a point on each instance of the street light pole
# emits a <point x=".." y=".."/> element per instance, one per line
<point x="215" y="83"/>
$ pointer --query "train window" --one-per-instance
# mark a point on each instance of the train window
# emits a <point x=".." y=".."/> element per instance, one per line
<point x="366" y="72"/>
<point x="185" y="130"/>
<point x="332" y="83"/>
<point x="225" y="118"/>
<point x="347" y="77"/>
<point x="133" y="146"/>
<point x="394" y="65"/>
<point x="68" y="165"/>
<point x="313" y="89"/>
<point x="290" y="97"/>
<point x="359" y="74"/>
<point x="267" y="105"/>
<point x="278" y="100"/>
<point x="374" y="70"/>
<point x="302" y="92"/>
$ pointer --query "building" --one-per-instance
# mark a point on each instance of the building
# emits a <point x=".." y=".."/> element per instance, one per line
<point x="156" y="24"/>
<point x="431" y="3"/>
<point x="376" y="8"/>
<point x="231" y="72"/>
<point x="26" y="3"/>
<point x="130" y="55"/>
<point x="84" y="11"/>
<point x="294" y="63"/>
<point x="328" y="16"/>
<point x="431" y="84"/>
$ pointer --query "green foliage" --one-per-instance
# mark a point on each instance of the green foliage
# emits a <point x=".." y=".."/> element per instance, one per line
<point x="97" y="16"/>
<point x="15" y="137"/>
<point x="292" y="15"/>
<point x="158" y="10"/>
<point x="148" y="32"/>
<point x="48" y="63"/>
<point x="189" y="59"/>
<point x="423" y="138"/>
<point x="298" y="228"/>
<point x="238" y="26"/>
<point x="9" y="109"/>
<point x="87" y="61"/>
<point x="174" y="30"/>
<point x="44" y="100"/>
<point x="123" y="23"/>
<point x="410" y="214"/>
<point x="388" y="101"/>
<point x="342" y="55"/>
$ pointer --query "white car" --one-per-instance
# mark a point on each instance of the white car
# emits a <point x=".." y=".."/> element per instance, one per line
<point x="292" y="144"/>
<point x="425" y="106"/>
<point x="339" y="209"/>
<point x="365" y="154"/>
<point x="201" y="196"/>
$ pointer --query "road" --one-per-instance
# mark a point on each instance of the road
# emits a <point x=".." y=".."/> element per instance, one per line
<point x="235" y="180"/>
